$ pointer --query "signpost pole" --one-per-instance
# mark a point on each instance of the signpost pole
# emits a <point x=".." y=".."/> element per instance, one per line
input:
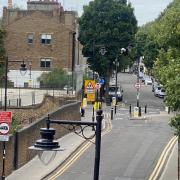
<point x="5" y="108"/>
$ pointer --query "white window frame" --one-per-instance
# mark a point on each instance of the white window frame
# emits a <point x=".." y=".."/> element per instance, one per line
<point x="46" y="61"/>
<point x="46" y="38"/>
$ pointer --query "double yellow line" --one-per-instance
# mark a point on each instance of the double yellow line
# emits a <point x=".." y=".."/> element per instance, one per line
<point x="78" y="154"/>
<point x="156" y="172"/>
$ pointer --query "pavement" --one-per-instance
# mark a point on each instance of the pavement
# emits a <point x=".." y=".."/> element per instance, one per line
<point x="36" y="170"/>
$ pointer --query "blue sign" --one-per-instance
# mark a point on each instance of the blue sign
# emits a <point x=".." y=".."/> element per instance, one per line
<point x="101" y="81"/>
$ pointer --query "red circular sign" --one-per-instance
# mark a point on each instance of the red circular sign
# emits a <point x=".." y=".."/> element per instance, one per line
<point x="137" y="85"/>
<point x="98" y="86"/>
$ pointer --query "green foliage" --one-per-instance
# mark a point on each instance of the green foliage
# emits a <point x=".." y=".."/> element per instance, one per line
<point x="110" y="24"/>
<point x="57" y="78"/>
<point x="15" y="126"/>
<point x="175" y="123"/>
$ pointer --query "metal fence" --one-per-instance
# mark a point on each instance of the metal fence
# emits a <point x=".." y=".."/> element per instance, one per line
<point x="17" y="97"/>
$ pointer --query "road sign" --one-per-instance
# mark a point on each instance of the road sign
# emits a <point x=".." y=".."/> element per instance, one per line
<point x="136" y="111"/>
<point x="5" y="122"/>
<point x="98" y="86"/>
<point x="101" y="81"/>
<point x="91" y="97"/>
<point x="89" y="86"/>
<point x="137" y="85"/>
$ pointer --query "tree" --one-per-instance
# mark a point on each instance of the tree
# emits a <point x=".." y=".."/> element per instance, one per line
<point x="110" y="24"/>
<point x="57" y="78"/>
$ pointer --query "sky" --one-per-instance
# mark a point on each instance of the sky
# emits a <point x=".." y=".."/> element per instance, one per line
<point x="145" y="10"/>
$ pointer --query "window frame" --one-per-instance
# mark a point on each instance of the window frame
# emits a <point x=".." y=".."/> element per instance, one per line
<point x="47" y="63"/>
<point x="46" y="38"/>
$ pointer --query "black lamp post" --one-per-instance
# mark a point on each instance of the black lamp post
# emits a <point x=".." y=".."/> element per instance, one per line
<point x="73" y="58"/>
<point x="47" y="142"/>
<point x="116" y="64"/>
<point x="23" y="68"/>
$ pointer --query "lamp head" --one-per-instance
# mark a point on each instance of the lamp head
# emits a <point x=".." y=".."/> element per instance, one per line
<point x="23" y="68"/>
<point x="46" y="146"/>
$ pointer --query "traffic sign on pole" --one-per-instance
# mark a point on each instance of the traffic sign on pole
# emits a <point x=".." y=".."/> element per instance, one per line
<point x="137" y="85"/>
<point x="98" y="86"/>
<point x="5" y="122"/>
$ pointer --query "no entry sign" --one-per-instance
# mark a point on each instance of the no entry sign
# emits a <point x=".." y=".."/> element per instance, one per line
<point x="5" y="122"/>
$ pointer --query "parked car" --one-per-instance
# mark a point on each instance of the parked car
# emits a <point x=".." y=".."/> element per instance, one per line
<point x="112" y="92"/>
<point x="67" y="88"/>
<point x="161" y="93"/>
<point x="157" y="90"/>
<point x="154" y="86"/>
<point x="147" y="80"/>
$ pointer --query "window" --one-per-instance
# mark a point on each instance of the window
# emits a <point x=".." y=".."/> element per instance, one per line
<point x="45" y="63"/>
<point x="30" y="38"/>
<point x="45" y="38"/>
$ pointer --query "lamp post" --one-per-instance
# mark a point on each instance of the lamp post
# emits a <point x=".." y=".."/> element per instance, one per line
<point x="22" y="68"/>
<point x="47" y="142"/>
<point x="116" y="64"/>
<point x="138" y="82"/>
<point x="73" y="58"/>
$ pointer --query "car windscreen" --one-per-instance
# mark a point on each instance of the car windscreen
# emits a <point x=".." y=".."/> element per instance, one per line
<point x="113" y="89"/>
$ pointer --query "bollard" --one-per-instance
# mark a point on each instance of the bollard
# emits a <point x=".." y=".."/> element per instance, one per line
<point x="145" y="109"/>
<point x="139" y="111"/>
<point x="169" y="110"/>
<point x="130" y="109"/>
<point x="115" y="108"/>
<point x="93" y="129"/>
<point x="112" y="113"/>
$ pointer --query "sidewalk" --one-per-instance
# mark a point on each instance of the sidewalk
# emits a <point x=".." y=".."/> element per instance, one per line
<point x="36" y="170"/>
<point x="170" y="171"/>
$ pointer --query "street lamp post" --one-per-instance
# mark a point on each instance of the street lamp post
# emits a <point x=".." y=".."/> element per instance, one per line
<point x="73" y="58"/>
<point x="22" y="68"/>
<point x="116" y="64"/>
<point x="47" y="142"/>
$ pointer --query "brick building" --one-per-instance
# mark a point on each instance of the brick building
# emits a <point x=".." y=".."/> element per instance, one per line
<point x="44" y="36"/>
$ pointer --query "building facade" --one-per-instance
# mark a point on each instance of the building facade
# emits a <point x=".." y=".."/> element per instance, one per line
<point x="45" y="37"/>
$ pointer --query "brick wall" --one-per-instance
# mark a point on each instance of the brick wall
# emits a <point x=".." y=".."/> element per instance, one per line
<point x="17" y="150"/>
<point x="16" y="42"/>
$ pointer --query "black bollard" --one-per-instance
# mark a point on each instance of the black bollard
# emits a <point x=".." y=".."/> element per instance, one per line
<point x="112" y="113"/>
<point x="115" y="108"/>
<point x="139" y="111"/>
<point x="145" y="109"/>
<point x="130" y="109"/>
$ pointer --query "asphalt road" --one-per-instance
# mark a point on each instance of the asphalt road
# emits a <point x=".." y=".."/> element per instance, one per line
<point x="131" y="149"/>
<point x="146" y="95"/>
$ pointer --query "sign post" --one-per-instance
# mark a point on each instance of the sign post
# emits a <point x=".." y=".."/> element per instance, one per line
<point x="5" y="122"/>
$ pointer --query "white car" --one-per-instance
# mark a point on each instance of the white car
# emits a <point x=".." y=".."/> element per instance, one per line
<point x="148" y="81"/>
<point x="157" y="90"/>
<point x="161" y="93"/>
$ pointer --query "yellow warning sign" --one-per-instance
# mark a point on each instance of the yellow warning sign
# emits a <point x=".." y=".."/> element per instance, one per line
<point x="89" y="86"/>
<point x="91" y="97"/>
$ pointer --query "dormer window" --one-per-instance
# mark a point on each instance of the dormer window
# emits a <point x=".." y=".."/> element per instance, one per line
<point x="45" y="38"/>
